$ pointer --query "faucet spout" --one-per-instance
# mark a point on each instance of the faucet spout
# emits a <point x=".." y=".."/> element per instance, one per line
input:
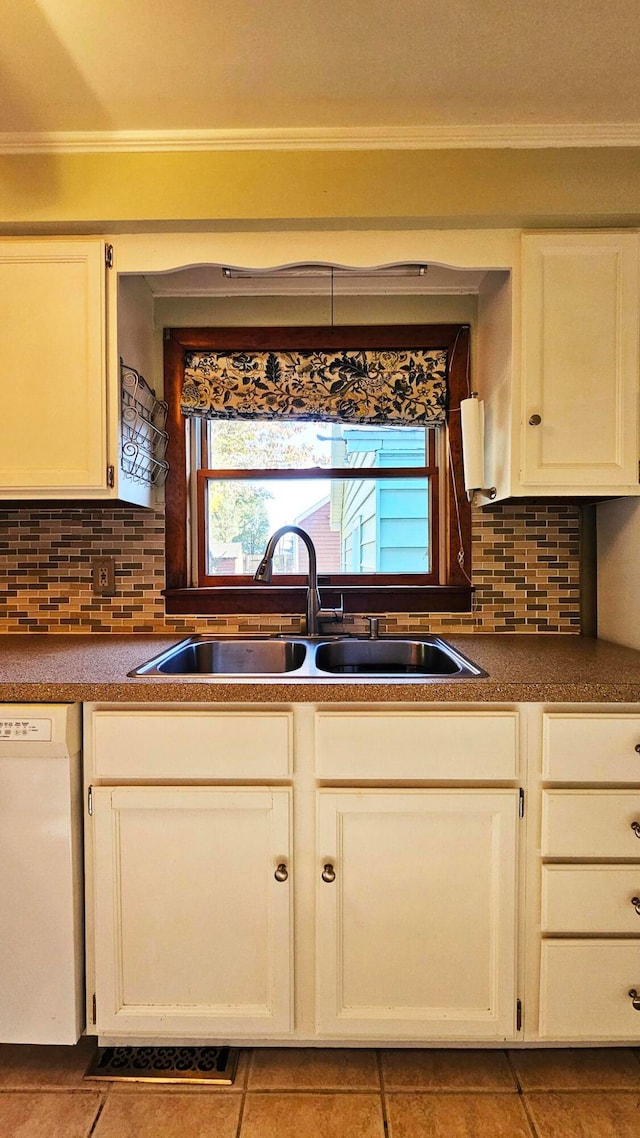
<point x="264" y="571"/>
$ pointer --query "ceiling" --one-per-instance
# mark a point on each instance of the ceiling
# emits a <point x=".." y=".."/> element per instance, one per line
<point x="332" y="65"/>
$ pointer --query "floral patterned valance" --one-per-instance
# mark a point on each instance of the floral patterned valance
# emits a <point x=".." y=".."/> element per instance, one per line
<point x="365" y="386"/>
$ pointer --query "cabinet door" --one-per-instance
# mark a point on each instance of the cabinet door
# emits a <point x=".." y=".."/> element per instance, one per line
<point x="580" y="360"/>
<point x="52" y="367"/>
<point x="192" y="928"/>
<point x="416" y="932"/>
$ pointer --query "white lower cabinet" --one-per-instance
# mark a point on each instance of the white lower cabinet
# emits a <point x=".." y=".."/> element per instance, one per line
<point x="591" y="900"/>
<point x="416" y="905"/>
<point x="590" y="871"/>
<point x="591" y="824"/>
<point x="585" y="990"/>
<point x="190" y="887"/>
<point x="192" y="911"/>
<point x="427" y="909"/>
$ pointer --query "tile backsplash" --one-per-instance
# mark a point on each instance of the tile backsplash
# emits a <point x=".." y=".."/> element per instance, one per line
<point x="526" y="572"/>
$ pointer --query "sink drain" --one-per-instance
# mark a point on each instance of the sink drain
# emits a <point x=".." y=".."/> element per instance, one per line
<point x="165" y="1064"/>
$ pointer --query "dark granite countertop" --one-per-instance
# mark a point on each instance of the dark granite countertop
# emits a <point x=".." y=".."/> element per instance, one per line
<point x="520" y="668"/>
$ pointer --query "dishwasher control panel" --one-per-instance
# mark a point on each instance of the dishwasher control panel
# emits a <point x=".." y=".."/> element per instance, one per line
<point x="25" y="730"/>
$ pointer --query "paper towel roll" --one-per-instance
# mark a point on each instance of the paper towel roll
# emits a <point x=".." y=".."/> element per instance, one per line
<point x="472" y="422"/>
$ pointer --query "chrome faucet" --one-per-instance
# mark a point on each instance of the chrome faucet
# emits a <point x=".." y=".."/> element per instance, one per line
<point x="263" y="574"/>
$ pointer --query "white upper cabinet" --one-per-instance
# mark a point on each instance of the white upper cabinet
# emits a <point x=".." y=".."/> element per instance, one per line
<point x="580" y="360"/>
<point x="556" y="353"/>
<point x="59" y="372"/>
<point x="53" y="367"/>
<point x="565" y="421"/>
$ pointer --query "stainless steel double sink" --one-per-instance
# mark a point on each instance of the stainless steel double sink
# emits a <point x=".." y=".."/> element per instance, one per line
<point x="300" y="658"/>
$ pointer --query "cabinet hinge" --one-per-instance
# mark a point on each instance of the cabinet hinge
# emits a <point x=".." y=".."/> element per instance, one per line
<point x="108" y="256"/>
<point x="111" y="477"/>
<point x="521" y="803"/>
<point x="94" y="1009"/>
<point x="90" y="801"/>
<point x="518" y="1015"/>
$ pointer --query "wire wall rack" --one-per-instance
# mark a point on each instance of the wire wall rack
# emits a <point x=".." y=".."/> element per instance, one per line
<point x="144" y="439"/>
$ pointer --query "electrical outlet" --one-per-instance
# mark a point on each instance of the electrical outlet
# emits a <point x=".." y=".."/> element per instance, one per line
<point x="103" y="576"/>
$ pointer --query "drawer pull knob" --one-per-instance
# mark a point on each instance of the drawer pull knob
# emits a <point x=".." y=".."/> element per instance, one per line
<point x="535" y="420"/>
<point x="635" y="826"/>
<point x="635" y="901"/>
<point x="281" y="872"/>
<point x="635" y="998"/>
<point x="637" y="748"/>
<point x="328" y="873"/>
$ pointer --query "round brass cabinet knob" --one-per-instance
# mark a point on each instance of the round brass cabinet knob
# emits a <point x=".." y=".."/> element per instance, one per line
<point x="281" y="872"/>
<point x="328" y="873"/>
<point x="535" y="420"/>
<point x="635" y="826"/>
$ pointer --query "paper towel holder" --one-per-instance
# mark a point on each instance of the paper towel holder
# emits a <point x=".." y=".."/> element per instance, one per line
<point x="472" y="427"/>
<point x="488" y="491"/>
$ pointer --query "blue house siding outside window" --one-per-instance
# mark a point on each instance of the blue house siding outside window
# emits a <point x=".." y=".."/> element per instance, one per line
<point x="384" y="524"/>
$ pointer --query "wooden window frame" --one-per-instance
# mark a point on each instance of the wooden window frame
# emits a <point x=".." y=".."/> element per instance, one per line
<point x="428" y="471"/>
<point x="452" y="593"/>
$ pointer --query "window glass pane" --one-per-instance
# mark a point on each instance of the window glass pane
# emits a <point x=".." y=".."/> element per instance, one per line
<point x="357" y="525"/>
<point x="270" y="445"/>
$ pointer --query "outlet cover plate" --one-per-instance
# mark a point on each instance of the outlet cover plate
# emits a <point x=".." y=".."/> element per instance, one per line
<point x="103" y="576"/>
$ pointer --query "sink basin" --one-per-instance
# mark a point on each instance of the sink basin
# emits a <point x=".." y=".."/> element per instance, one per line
<point x="301" y="658"/>
<point x="228" y="657"/>
<point x="381" y="657"/>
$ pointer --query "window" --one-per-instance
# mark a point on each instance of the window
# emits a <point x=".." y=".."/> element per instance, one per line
<point x="382" y="501"/>
<point x="367" y="496"/>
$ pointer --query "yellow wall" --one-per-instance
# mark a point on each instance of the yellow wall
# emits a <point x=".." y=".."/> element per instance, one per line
<point x="439" y="187"/>
<point x="267" y="311"/>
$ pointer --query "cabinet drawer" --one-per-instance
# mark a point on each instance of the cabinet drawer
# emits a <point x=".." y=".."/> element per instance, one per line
<point x="593" y="824"/>
<point x="192" y="745"/>
<point x="591" y="748"/>
<point x="368" y="745"/>
<point x="590" y="899"/>
<point x="584" y="990"/>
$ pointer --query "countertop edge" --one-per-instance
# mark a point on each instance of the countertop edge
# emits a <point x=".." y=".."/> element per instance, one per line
<point x="199" y="692"/>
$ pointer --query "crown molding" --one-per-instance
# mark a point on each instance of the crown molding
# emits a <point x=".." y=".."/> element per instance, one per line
<point x="488" y="136"/>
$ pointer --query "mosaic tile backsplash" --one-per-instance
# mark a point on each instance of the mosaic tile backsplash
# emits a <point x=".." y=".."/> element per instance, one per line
<point x="525" y="570"/>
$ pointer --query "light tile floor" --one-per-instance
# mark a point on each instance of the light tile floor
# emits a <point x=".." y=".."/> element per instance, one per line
<point x="333" y="1093"/>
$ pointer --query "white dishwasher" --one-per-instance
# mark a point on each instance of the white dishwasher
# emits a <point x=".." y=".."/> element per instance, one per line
<point x="41" y="894"/>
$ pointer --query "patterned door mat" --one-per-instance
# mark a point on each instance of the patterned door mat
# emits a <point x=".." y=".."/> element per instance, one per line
<point x="165" y="1064"/>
